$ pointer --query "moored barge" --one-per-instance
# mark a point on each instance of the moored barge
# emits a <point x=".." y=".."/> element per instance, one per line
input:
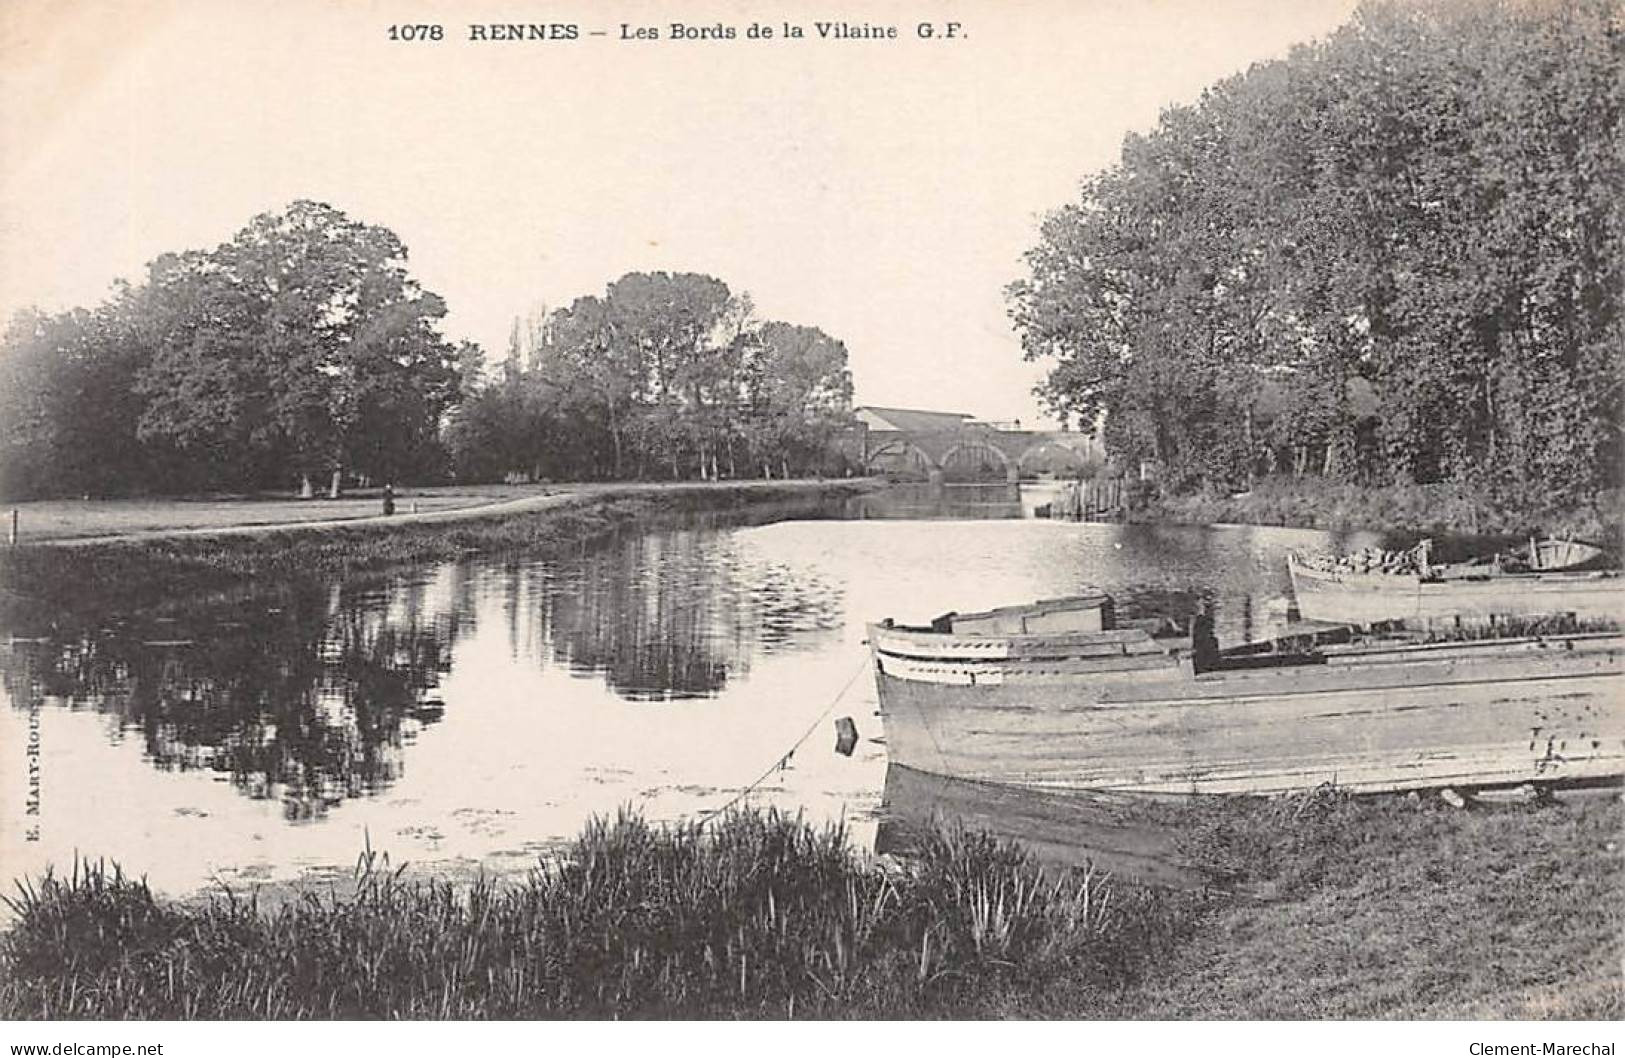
<point x="1060" y="696"/>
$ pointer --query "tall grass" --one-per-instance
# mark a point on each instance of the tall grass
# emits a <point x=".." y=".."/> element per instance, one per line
<point x="1339" y="907"/>
<point x="759" y="915"/>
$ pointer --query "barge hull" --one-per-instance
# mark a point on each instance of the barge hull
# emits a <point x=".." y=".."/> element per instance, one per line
<point x="1556" y="715"/>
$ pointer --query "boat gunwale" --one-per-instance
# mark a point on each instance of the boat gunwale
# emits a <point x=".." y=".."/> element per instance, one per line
<point x="1107" y="635"/>
<point x="1228" y="686"/>
<point x="1378" y="580"/>
<point x="1180" y="646"/>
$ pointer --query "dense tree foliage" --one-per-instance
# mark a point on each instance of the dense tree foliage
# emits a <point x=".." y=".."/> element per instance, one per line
<point x="665" y="375"/>
<point x="300" y="349"/>
<point x="69" y="412"/>
<point x="1423" y="209"/>
<point x="302" y="352"/>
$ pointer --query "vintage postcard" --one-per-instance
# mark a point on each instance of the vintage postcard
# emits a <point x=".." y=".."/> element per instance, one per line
<point x="763" y="509"/>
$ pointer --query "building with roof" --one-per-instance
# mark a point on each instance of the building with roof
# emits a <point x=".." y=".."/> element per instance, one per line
<point x="911" y="420"/>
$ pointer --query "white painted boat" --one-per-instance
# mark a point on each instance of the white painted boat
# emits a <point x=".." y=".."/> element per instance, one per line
<point x="1366" y="597"/>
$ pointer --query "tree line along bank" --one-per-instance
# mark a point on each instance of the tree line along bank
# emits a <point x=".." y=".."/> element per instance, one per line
<point x="303" y="353"/>
<point x="1394" y="257"/>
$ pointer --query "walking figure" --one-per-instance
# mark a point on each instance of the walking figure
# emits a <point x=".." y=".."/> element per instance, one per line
<point x="389" y="500"/>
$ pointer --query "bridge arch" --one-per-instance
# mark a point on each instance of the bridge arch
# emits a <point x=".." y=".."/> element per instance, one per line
<point x="1075" y="457"/>
<point x="979" y="445"/>
<point x="898" y="446"/>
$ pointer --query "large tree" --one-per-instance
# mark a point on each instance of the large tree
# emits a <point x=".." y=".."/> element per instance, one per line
<point x="1425" y="206"/>
<point x="666" y="374"/>
<point x="68" y="405"/>
<point x="303" y="342"/>
<point x="797" y="394"/>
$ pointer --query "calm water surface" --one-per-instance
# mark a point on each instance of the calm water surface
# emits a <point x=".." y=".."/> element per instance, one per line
<point x="473" y="714"/>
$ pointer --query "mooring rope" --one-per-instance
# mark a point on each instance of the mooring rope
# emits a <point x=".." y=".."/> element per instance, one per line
<point x="784" y="760"/>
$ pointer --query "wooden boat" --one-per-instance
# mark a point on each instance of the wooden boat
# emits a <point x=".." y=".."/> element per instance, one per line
<point x="1327" y="592"/>
<point x="1099" y="708"/>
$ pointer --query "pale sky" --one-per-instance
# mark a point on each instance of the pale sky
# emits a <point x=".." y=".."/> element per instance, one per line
<point x="881" y="190"/>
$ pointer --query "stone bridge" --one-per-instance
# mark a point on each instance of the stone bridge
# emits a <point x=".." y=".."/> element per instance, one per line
<point x="972" y="451"/>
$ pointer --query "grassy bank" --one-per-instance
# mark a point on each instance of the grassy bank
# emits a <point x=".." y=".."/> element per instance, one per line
<point x="1313" y="503"/>
<point x="1404" y="907"/>
<point x="762" y="916"/>
<point x="128" y="572"/>
<point x="1341" y="908"/>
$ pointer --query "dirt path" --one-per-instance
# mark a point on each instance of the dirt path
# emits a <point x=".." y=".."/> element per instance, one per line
<point x="545" y="498"/>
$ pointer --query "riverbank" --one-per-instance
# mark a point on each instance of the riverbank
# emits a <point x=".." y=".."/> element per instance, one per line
<point x="56" y="521"/>
<point x="1312" y="503"/>
<point x="1401" y="907"/>
<point x="154" y="560"/>
<point x="1341" y="908"/>
<point x="84" y="523"/>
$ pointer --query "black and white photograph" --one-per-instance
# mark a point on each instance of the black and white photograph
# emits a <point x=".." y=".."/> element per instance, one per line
<point x="705" y="511"/>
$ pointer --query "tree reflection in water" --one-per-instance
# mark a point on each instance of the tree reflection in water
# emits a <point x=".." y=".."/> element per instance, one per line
<point x="308" y="693"/>
<point x="662" y="616"/>
<point x="306" y="696"/>
<point x="648" y="615"/>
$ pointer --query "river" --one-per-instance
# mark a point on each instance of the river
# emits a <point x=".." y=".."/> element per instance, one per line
<point x="470" y="715"/>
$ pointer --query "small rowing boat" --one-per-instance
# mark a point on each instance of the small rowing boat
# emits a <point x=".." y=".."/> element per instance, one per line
<point x="1367" y="592"/>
